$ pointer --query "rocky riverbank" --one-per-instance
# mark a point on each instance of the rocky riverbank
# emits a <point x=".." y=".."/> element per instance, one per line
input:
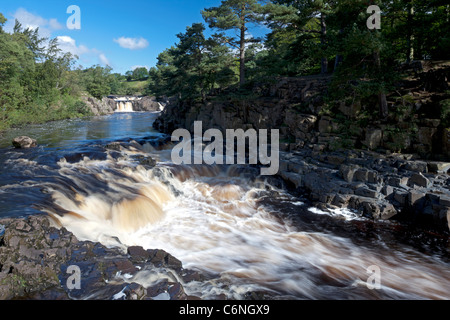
<point x="336" y="155"/>
<point x="377" y="186"/>
<point x="41" y="261"/>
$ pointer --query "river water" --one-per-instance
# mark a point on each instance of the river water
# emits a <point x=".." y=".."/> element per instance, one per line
<point x="247" y="233"/>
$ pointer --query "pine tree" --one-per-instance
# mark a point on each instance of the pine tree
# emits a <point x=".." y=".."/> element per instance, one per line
<point x="237" y="15"/>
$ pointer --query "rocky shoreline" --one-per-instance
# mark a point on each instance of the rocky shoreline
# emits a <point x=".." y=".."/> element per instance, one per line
<point x="395" y="186"/>
<point x="336" y="161"/>
<point x="36" y="256"/>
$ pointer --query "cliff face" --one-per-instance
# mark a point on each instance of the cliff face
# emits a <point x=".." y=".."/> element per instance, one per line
<point x="147" y="104"/>
<point x="100" y="107"/>
<point x="298" y="108"/>
<point x="338" y="158"/>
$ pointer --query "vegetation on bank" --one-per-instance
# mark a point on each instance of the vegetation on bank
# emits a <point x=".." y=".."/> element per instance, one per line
<point x="369" y="67"/>
<point x="39" y="82"/>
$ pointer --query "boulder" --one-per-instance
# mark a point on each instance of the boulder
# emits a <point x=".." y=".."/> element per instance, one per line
<point x="366" y="192"/>
<point x="24" y="142"/>
<point x="438" y="167"/>
<point x="373" y="138"/>
<point x="414" y="197"/>
<point x="420" y="180"/>
<point x="348" y="172"/>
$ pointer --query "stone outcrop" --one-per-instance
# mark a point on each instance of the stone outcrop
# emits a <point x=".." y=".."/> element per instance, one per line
<point x="24" y="142"/>
<point x="377" y="186"/>
<point x="38" y="259"/>
<point x="147" y="104"/>
<point x="100" y="107"/>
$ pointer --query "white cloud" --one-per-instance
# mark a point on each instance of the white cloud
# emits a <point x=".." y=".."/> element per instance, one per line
<point x="132" y="43"/>
<point x="32" y="21"/>
<point x="68" y="44"/>
<point x="103" y="60"/>
<point x="86" y="55"/>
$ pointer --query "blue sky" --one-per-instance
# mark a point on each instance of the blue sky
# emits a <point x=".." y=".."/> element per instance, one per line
<point x="123" y="34"/>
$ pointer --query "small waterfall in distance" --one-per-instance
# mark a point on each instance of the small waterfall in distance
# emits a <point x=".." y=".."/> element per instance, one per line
<point x="124" y="104"/>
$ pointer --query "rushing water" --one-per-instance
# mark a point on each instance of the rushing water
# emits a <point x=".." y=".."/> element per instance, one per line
<point x="248" y="234"/>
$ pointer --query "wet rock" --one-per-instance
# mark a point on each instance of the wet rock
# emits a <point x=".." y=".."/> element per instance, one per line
<point x="24" y="142"/>
<point x="37" y="262"/>
<point x="116" y="146"/>
<point x="138" y="254"/>
<point x="438" y="167"/>
<point x="160" y="258"/>
<point x="294" y="178"/>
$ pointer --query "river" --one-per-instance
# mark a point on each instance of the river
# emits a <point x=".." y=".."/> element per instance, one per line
<point x="247" y="233"/>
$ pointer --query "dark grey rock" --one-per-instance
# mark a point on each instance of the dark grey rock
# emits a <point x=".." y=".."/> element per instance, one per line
<point x="420" y="180"/>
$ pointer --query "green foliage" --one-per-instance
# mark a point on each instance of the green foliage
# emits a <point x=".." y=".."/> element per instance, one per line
<point x="38" y="83"/>
<point x="192" y="68"/>
<point x="236" y="15"/>
<point x="445" y="112"/>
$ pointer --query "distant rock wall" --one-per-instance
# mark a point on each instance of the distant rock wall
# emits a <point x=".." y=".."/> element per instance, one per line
<point x="100" y="107"/>
<point x="295" y="106"/>
<point x="332" y="159"/>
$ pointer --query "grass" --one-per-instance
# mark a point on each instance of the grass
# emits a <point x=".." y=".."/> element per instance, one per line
<point x="67" y="108"/>
<point x="135" y="87"/>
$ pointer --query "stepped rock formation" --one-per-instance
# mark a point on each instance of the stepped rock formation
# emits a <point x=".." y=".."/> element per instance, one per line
<point x="317" y="148"/>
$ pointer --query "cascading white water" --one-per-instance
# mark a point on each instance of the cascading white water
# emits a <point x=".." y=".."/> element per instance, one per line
<point x="124" y="106"/>
<point x="212" y="220"/>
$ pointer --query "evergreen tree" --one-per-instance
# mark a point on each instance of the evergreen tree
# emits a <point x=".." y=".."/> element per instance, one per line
<point x="236" y="15"/>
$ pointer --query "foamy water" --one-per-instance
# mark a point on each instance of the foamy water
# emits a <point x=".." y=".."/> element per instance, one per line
<point x="213" y="220"/>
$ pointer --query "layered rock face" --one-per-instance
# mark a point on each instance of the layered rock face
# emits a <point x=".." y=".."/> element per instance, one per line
<point x="317" y="156"/>
<point x="377" y="186"/>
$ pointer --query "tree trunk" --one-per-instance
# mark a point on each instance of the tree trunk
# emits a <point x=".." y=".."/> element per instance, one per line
<point x="410" y="36"/>
<point x="323" y="34"/>
<point x="242" y="57"/>
<point x="382" y="101"/>
<point x="338" y="61"/>
<point x="339" y="58"/>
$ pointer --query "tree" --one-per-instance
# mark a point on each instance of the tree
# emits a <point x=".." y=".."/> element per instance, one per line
<point x="193" y="67"/>
<point x="96" y="81"/>
<point x="305" y="17"/>
<point x="236" y="15"/>
<point x="140" y="73"/>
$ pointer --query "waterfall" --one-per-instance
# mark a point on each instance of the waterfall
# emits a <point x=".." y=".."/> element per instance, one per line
<point x="215" y="220"/>
<point x="124" y="106"/>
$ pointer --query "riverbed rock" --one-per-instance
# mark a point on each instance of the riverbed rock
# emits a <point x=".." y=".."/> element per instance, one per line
<point x="420" y="180"/>
<point x="377" y="186"/>
<point x="36" y="257"/>
<point x="24" y="142"/>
